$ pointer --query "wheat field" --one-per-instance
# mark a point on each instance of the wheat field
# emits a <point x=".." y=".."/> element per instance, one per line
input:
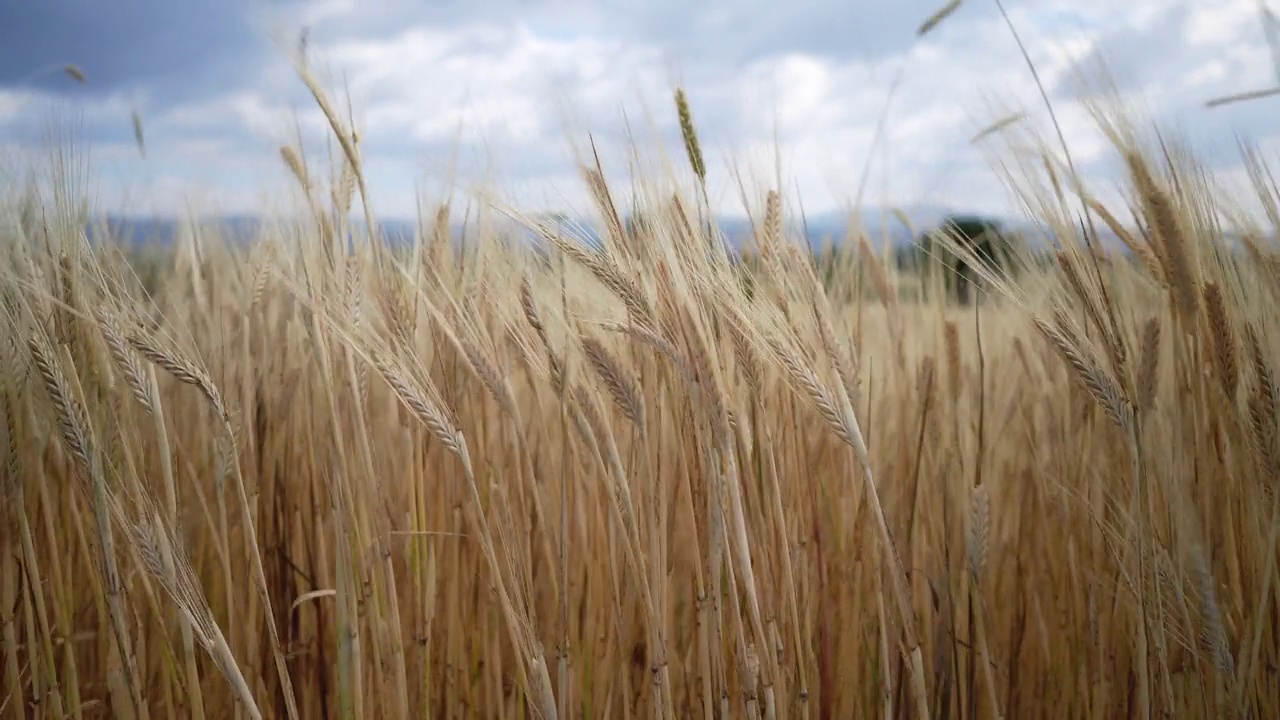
<point x="307" y="478"/>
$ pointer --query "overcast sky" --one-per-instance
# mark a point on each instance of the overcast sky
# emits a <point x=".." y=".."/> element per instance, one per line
<point x="499" y="89"/>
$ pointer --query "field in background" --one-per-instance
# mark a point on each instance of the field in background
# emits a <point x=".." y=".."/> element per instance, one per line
<point x="287" y="480"/>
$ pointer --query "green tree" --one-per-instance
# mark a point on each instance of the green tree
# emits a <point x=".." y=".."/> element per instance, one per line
<point x="984" y="242"/>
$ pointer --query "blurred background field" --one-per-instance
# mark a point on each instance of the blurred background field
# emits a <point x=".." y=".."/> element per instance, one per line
<point x="647" y="460"/>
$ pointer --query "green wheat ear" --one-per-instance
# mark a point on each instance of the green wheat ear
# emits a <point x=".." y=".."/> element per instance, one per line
<point x="691" y="146"/>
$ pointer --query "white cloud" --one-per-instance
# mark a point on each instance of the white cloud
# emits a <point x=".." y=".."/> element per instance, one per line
<point x="513" y="85"/>
<point x="1217" y="25"/>
<point x="11" y="102"/>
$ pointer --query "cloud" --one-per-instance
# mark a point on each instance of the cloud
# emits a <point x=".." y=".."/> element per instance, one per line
<point x="167" y="46"/>
<point x="506" y="91"/>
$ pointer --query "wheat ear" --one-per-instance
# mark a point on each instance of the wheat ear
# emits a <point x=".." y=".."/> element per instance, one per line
<point x="188" y="372"/>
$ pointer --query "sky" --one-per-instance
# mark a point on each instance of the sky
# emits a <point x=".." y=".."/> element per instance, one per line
<point x="450" y="96"/>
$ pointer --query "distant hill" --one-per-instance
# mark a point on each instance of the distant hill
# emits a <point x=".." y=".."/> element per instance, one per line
<point x="879" y="225"/>
<point x="833" y="226"/>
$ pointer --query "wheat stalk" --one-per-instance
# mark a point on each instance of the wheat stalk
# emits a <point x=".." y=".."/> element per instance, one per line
<point x="164" y="560"/>
<point x="1167" y="227"/>
<point x="692" y="148"/>
<point x="621" y="384"/>
<point x="427" y="411"/>
<point x="179" y="367"/>
<point x="1093" y="378"/>
<point x="73" y="424"/>
<point x="188" y="372"/>
<point x="1149" y="364"/>
<point x="1224" y="345"/>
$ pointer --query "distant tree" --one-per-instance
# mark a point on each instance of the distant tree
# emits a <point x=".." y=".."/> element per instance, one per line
<point x="986" y="243"/>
